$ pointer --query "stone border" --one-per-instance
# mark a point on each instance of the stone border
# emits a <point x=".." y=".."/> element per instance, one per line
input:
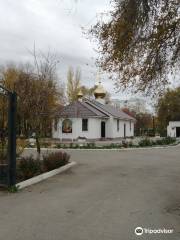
<point x="44" y="176"/>
<point x="118" y="149"/>
<point x="106" y="149"/>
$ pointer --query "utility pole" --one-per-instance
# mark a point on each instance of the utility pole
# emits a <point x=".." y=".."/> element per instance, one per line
<point x="11" y="155"/>
<point x="12" y="138"/>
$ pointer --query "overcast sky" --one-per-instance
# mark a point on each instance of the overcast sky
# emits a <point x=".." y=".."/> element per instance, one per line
<point x="55" y="25"/>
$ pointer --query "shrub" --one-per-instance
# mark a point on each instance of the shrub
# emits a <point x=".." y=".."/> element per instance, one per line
<point x="112" y="145"/>
<point x="28" y="167"/>
<point x="91" y="145"/>
<point x="169" y="140"/>
<point x="130" y="144"/>
<point x="13" y="189"/>
<point x="71" y="145"/>
<point x="124" y="144"/>
<point x="55" y="160"/>
<point x="164" y="141"/>
<point x="145" y="142"/>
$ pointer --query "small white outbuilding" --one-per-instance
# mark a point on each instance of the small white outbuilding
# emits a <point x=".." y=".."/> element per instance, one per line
<point x="173" y="129"/>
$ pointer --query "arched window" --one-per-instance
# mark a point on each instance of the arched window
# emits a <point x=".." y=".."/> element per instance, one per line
<point x="67" y="126"/>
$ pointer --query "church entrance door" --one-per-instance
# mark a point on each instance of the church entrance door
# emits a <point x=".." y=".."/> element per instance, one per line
<point x="177" y="131"/>
<point x="124" y="130"/>
<point x="103" y="129"/>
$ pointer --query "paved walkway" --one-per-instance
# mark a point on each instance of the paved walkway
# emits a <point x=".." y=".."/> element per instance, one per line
<point x="105" y="197"/>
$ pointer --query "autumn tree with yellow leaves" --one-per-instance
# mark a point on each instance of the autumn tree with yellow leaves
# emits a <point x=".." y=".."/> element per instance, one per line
<point x="38" y="95"/>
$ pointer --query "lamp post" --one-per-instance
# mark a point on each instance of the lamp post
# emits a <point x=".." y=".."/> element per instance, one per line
<point x="154" y="128"/>
<point x="11" y="156"/>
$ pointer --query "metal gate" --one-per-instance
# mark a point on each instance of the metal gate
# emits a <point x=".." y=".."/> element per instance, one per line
<point x="7" y="137"/>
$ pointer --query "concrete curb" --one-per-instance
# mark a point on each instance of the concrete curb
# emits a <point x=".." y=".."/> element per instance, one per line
<point x="121" y="149"/>
<point x="44" y="176"/>
<point x="105" y="149"/>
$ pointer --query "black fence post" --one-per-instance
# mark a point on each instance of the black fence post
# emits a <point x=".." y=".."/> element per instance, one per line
<point x="12" y="138"/>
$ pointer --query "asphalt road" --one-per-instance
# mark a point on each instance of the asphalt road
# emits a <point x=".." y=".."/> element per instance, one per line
<point x="105" y="197"/>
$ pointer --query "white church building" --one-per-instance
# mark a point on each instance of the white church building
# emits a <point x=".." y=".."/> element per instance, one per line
<point x="92" y="119"/>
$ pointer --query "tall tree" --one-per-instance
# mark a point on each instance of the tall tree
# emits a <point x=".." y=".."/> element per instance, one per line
<point x="139" y="43"/>
<point x="168" y="108"/>
<point x="73" y="84"/>
<point x="38" y="95"/>
<point x="144" y="121"/>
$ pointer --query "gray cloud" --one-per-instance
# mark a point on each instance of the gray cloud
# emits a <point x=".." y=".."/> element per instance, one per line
<point x="54" y="24"/>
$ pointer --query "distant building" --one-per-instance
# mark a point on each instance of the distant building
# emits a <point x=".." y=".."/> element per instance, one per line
<point x="173" y="129"/>
<point x="133" y="104"/>
<point x="92" y="119"/>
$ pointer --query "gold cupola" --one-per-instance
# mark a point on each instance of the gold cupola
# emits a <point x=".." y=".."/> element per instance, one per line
<point x="80" y="95"/>
<point x="99" y="92"/>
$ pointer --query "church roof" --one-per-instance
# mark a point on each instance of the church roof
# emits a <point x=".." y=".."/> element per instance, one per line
<point x="91" y="108"/>
<point x="80" y="109"/>
<point x="111" y="110"/>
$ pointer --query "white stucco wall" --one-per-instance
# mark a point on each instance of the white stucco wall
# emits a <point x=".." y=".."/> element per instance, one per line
<point x="94" y="129"/>
<point x="171" y="128"/>
<point x="120" y="133"/>
<point x="109" y="127"/>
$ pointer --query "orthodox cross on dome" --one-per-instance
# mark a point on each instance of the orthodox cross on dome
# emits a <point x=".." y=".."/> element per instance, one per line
<point x="98" y="79"/>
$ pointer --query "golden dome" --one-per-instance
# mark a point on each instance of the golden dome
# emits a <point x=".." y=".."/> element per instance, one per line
<point x="100" y="91"/>
<point x="80" y="94"/>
